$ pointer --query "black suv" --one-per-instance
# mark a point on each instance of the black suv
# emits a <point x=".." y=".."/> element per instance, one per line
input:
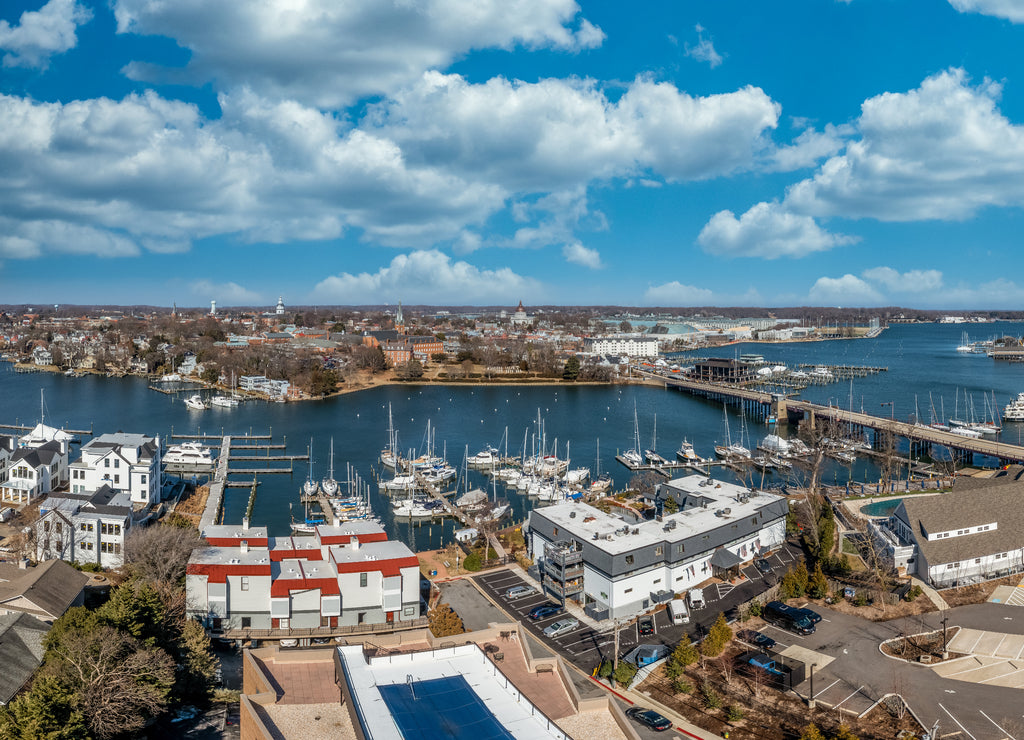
<point x="645" y="625"/>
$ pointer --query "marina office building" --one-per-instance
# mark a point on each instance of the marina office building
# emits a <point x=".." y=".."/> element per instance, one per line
<point x="619" y="564"/>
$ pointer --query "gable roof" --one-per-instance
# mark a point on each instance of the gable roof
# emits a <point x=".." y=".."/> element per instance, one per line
<point x="1001" y="503"/>
<point x="21" y="651"/>
<point x="50" y="588"/>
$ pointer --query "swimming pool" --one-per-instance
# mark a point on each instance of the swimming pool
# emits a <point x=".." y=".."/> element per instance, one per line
<point x="881" y="508"/>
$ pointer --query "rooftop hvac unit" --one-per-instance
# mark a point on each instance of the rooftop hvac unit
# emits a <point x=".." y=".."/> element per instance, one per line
<point x="726" y="512"/>
<point x="718" y="512"/>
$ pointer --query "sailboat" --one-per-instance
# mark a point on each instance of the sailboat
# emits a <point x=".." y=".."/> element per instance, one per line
<point x="389" y="455"/>
<point x="603" y="481"/>
<point x="227" y="402"/>
<point x="935" y="423"/>
<point x="310" y="487"/>
<point x="328" y="485"/>
<point x="633" y="456"/>
<point x="965" y="345"/>
<point x="730" y="451"/>
<point x="652" y="457"/>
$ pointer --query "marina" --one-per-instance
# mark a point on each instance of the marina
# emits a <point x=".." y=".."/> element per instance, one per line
<point x="597" y="420"/>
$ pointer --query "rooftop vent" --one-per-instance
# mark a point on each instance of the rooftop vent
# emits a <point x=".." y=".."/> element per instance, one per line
<point x="572" y="514"/>
<point x="726" y="512"/>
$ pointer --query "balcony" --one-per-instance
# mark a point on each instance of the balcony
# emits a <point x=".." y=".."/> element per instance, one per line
<point x="563" y="590"/>
<point x="563" y="573"/>
<point x="248" y="633"/>
<point x="563" y="553"/>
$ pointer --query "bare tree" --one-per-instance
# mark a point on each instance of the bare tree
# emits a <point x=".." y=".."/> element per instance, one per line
<point x="118" y="683"/>
<point x="160" y="553"/>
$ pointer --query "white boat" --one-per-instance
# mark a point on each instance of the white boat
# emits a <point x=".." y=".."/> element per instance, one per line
<point x="730" y="450"/>
<point x="773" y="444"/>
<point x="169" y="378"/>
<point x="195" y="402"/>
<point x="576" y="476"/>
<point x="965" y="432"/>
<point x="400" y="483"/>
<point x="310" y="487"/>
<point x="1014" y="410"/>
<point x="965" y="346"/>
<point x="494" y="514"/>
<point x="226" y="402"/>
<point x="484" y="458"/>
<point x="687" y="454"/>
<point x="188" y="453"/>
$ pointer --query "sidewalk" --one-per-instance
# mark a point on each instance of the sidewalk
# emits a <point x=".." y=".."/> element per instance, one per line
<point x="931" y="593"/>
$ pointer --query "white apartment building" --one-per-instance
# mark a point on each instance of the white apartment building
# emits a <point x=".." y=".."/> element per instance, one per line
<point x="632" y="346"/>
<point x="344" y="575"/>
<point x="616" y="565"/>
<point x="127" y="463"/>
<point x="32" y="472"/>
<point x="84" y="527"/>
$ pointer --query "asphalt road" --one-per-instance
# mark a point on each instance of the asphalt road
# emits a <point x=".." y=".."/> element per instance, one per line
<point x="858" y="674"/>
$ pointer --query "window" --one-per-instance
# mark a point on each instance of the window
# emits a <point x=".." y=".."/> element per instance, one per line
<point x="628" y="591"/>
<point x="629" y="560"/>
<point x="82" y="526"/>
<point x="117" y="529"/>
<point x="659" y="551"/>
<point x="142" y="479"/>
<point x="117" y="479"/>
<point x="410" y="611"/>
<point x="977" y="560"/>
<point x="117" y="548"/>
<point x="362" y="580"/>
<point x="950" y="566"/>
<point x="556" y="531"/>
<point x="246" y="622"/>
<point x="245" y="583"/>
<point x="60" y="527"/>
<point x="117" y="463"/>
<point x="284" y="623"/>
<point x="106" y="463"/>
<point x="46" y="527"/>
<point x="754" y="520"/>
<point x="680" y="548"/>
<point x="81" y="545"/>
<point x="657" y="580"/>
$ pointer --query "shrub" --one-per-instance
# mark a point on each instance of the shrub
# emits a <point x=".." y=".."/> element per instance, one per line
<point x="913" y="593"/>
<point x="472" y="563"/>
<point x="605" y="670"/>
<point x="684" y="655"/>
<point x="711" y="698"/>
<point x="624" y="673"/>
<point x="861" y="599"/>
<point x="755" y="608"/>
<point x="682" y="686"/>
<point x="443" y="621"/>
<point x="733" y="713"/>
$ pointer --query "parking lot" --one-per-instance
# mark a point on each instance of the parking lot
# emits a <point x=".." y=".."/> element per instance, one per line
<point x="586" y="646"/>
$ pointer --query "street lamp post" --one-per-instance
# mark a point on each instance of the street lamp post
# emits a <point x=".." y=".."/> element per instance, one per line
<point x="892" y="410"/>
<point x="810" y="701"/>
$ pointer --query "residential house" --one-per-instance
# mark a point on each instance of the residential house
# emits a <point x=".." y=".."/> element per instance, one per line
<point x="45" y="591"/>
<point x="21" y="652"/>
<point x="84" y="527"/>
<point x="31" y="472"/>
<point x="42" y="356"/>
<point x="124" y="462"/>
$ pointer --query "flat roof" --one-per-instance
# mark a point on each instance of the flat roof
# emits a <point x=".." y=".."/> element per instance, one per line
<point x="387" y="550"/>
<point x="232" y="531"/>
<point x="706" y="498"/>
<point x="454" y="692"/>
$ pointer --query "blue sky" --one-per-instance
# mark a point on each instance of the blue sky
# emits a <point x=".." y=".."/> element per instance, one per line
<point x="664" y="153"/>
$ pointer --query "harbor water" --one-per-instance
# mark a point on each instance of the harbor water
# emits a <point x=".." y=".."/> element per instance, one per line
<point x="920" y="359"/>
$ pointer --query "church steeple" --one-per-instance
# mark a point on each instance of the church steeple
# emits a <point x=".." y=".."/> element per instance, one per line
<point x="400" y="320"/>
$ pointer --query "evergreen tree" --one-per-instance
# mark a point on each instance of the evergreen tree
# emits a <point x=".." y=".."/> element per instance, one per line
<point x="817" y="587"/>
<point x="136" y="609"/>
<point x="197" y="664"/>
<point x="718" y="637"/>
<point x="572" y="368"/>
<point x="811" y="732"/>
<point x="684" y="655"/>
<point x="45" y="712"/>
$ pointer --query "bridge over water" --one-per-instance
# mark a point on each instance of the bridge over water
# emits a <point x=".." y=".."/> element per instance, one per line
<point x="775" y="407"/>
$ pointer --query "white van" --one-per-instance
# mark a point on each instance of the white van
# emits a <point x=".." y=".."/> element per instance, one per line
<point x="696" y="598"/>
<point x="678" y="611"/>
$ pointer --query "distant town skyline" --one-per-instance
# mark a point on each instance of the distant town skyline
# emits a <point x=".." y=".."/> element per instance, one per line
<point x="708" y="153"/>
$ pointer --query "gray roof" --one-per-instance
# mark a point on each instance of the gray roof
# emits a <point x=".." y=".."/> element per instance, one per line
<point x="725" y="559"/>
<point x="1000" y="503"/>
<point x="104" y="500"/>
<point x="50" y="587"/>
<point x="21" y="651"/>
<point x="36" y="456"/>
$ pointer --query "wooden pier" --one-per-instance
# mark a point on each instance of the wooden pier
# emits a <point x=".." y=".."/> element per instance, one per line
<point x="23" y="428"/>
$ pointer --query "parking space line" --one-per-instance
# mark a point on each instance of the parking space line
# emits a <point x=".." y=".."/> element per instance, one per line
<point x="994" y="722"/>
<point x="957" y="722"/>
<point x="848" y="698"/>
<point x="981" y="634"/>
<point x="828" y="687"/>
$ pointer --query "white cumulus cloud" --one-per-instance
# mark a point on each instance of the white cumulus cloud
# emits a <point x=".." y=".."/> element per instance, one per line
<point x="848" y="290"/>
<point x="41" y="34"/>
<point x="427" y="276"/>
<point x="911" y="281"/>
<point x="1012" y="10"/>
<point x="767" y="231"/>
<point x="330" y="53"/>
<point x="580" y="255"/>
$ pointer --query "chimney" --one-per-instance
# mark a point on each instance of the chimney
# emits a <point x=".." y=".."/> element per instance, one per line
<point x="244" y="546"/>
<point x="245" y="523"/>
<point x="354" y="542"/>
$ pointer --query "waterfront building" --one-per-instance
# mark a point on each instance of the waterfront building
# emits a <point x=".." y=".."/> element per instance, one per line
<point x="128" y="463"/>
<point x="721" y="370"/>
<point x="32" y="472"/>
<point x="620" y="564"/>
<point x="84" y="527"/>
<point x="972" y="534"/>
<point x="342" y="576"/>
<point x="631" y="346"/>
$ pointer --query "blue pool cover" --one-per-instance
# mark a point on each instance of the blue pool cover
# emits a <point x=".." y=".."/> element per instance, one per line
<point x="441" y="708"/>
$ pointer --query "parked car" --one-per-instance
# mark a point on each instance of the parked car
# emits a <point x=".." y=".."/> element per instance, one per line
<point x="518" y="592"/>
<point x="763" y="566"/>
<point x="645" y="625"/>
<point x="812" y="616"/>
<point x="561" y="627"/>
<point x="650" y="718"/>
<point x="289" y="642"/>
<point x="754" y="637"/>
<point x="543" y="611"/>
